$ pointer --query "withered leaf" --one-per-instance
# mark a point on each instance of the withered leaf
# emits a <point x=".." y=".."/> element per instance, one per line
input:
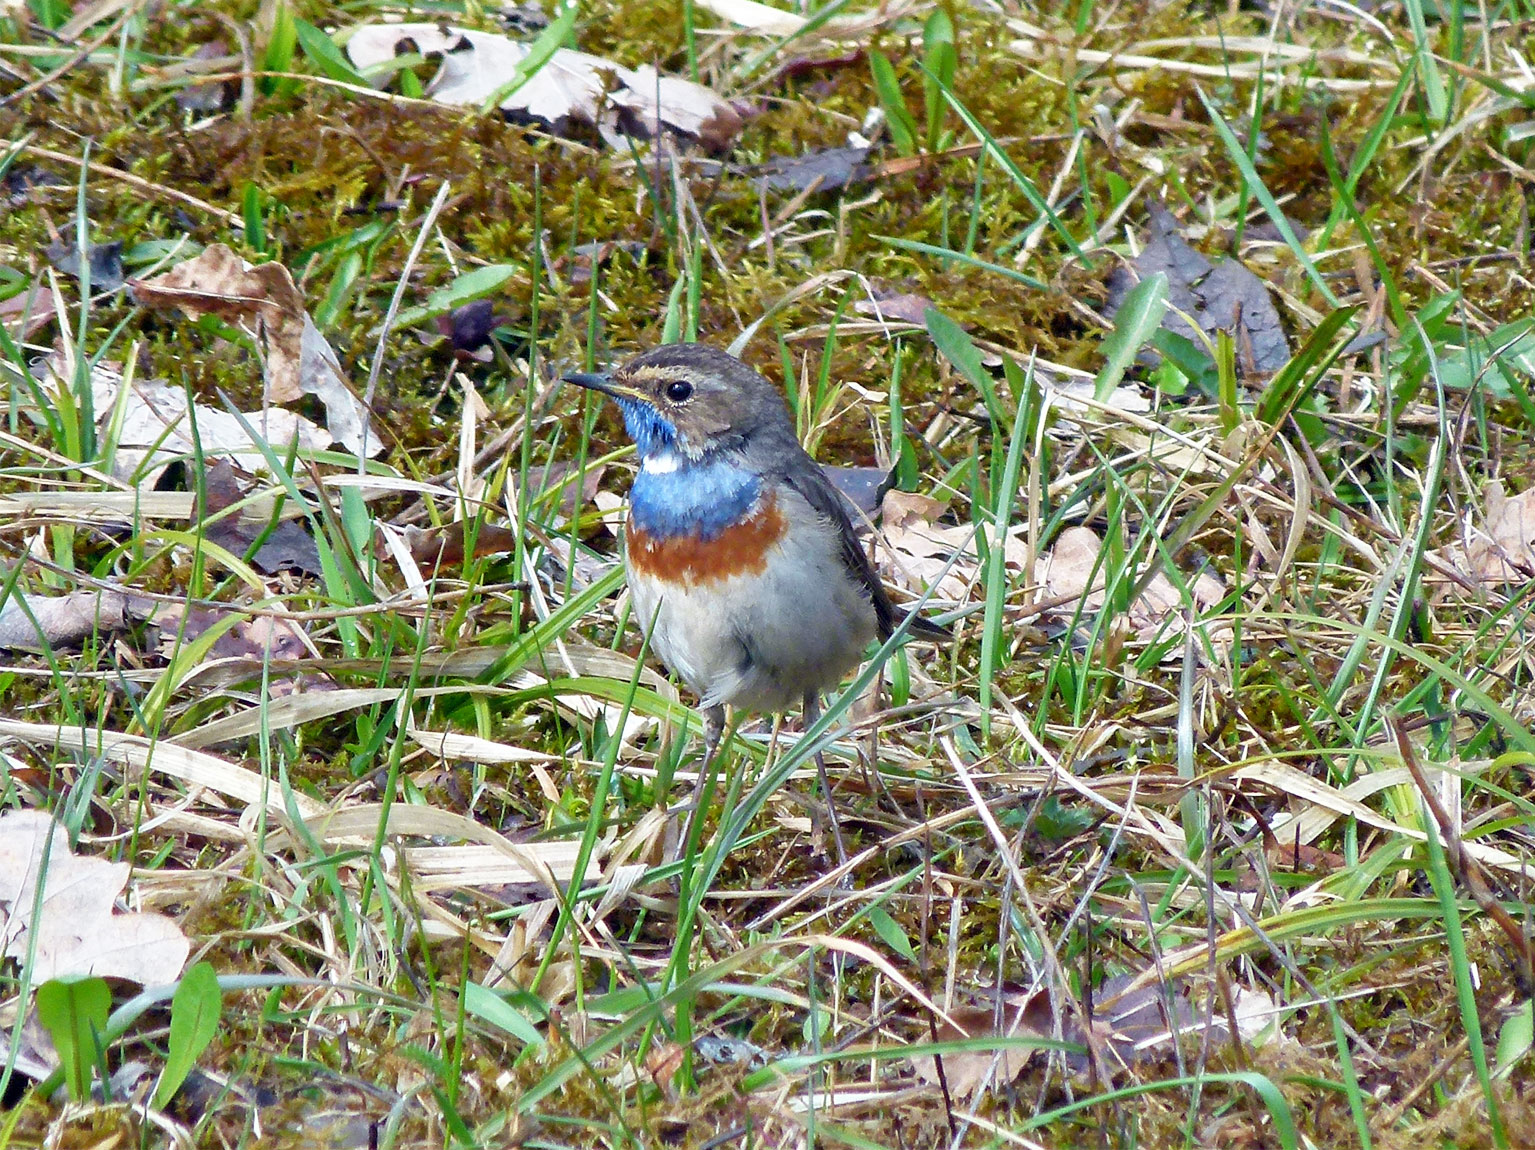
<point x="251" y="637"/>
<point x="298" y="359"/>
<point x="287" y="546"/>
<point x="34" y="307"/>
<point x="1501" y="549"/>
<point x="48" y="622"/>
<point x="825" y="170"/>
<point x="442" y="548"/>
<point x="154" y="424"/>
<point x="468" y="328"/>
<point x="1129" y="1024"/>
<point x="906" y="307"/>
<point x="77" y="930"/>
<point x="1222" y="296"/>
<point x="569" y="88"/>
<point x="1071" y="569"/>
<point x="199" y="98"/>
<point x="863" y="487"/>
<point x="105" y="262"/>
<point x="968" y="1071"/>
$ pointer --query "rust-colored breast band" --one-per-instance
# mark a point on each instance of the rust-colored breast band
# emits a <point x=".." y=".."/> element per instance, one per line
<point x="741" y="549"/>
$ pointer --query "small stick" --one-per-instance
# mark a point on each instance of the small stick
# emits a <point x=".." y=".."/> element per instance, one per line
<point x="1466" y="869"/>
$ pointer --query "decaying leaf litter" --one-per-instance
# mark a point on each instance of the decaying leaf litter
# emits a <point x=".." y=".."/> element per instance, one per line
<point x="358" y="726"/>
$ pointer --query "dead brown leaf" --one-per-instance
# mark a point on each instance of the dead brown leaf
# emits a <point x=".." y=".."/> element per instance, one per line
<point x="264" y="299"/>
<point x="1297" y="856"/>
<point x="33" y="308"/>
<point x="824" y="170"/>
<point x="249" y="637"/>
<point x="47" y="622"/>
<point x="1130" y="1025"/>
<point x="902" y="509"/>
<point x="903" y="307"/>
<point x="1143" y="1022"/>
<point x="1502" y="551"/>
<point x="968" y="1071"/>
<point x="663" y="1064"/>
<point x="573" y="496"/>
<point x="570" y="88"/>
<point x="76" y="930"/>
<point x="155" y="428"/>
<point x="287" y="546"/>
<point x="921" y="550"/>
<point x="440" y="548"/>
<point x="1221" y="296"/>
<point x="1071" y="570"/>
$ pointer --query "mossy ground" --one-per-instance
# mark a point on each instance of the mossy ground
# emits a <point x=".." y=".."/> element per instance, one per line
<point x="338" y="183"/>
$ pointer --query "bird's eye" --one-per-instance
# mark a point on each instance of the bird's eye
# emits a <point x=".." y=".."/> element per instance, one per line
<point x="678" y="390"/>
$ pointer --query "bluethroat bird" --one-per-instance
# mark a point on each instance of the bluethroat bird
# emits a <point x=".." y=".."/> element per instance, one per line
<point x="743" y="566"/>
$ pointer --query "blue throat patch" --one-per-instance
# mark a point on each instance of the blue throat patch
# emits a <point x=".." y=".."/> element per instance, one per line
<point x="702" y="498"/>
<point x="651" y="433"/>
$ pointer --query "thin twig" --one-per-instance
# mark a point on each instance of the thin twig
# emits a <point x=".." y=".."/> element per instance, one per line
<point x="43" y="81"/>
<point x="427" y="223"/>
<point x="1467" y="871"/>
<point x="96" y="168"/>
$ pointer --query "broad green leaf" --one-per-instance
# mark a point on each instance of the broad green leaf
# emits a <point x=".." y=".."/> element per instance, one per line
<point x="255" y="222"/>
<point x="1516" y="1038"/>
<point x="195" y="1011"/>
<point x="279" y="54"/>
<point x="942" y="63"/>
<point x="544" y="46"/>
<point x="488" y="1006"/>
<point x="903" y="129"/>
<point x="470" y="286"/>
<point x="1491" y="363"/>
<point x="940" y="60"/>
<point x="1296" y="379"/>
<point x="956" y="347"/>
<point x="323" y="53"/>
<point x="1188" y="359"/>
<point x="1136" y="321"/>
<point x="50" y="14"/>
<point x="74" y="1013"/>
<point x="890" y="933"/>
<point x="336" y="295"/>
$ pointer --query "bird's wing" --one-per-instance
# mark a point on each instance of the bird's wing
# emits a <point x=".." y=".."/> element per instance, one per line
<point x="810" y="481"/>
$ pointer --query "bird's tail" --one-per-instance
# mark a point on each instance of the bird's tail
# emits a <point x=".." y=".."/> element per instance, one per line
<point x="926" y="630"/>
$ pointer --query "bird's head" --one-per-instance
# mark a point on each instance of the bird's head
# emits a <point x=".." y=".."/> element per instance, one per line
<point x="688" y="399"/>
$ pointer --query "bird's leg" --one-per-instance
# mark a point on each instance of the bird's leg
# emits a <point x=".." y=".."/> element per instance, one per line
<point x="812" y="712"/>
<point x="714" y="730"/>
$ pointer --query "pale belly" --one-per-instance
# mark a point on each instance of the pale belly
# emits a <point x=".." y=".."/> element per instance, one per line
<point x="762" y="639"/>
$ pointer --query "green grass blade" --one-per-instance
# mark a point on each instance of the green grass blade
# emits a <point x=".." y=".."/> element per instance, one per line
<point x="1015" y="173"/>
<point x="1255" y="184"/>
<point x="1135" y="323"/>
<point x="898" y="121"/>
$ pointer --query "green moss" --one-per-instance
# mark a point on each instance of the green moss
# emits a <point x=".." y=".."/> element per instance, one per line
<point x="328" y="164"/>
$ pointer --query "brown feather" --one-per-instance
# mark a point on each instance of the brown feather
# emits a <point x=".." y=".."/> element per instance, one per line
<point x="740" y="549"/>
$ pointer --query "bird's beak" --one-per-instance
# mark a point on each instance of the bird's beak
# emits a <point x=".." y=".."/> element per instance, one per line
<point x="595" y="380"/>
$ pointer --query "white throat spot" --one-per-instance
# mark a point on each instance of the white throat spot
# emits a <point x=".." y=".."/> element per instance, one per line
<point x="662" y="463"/>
